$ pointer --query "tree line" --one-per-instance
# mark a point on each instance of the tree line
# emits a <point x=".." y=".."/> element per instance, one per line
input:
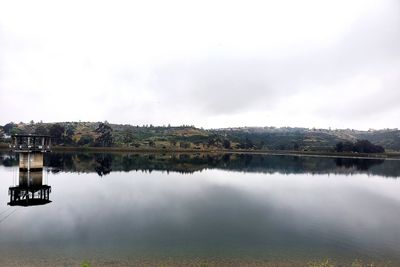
<point x="360" y="146"/>
<point x="65" y="134"/>
<point x="103" y="134"/>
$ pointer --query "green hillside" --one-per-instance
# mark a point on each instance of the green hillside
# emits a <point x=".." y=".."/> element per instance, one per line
<point x="98" y="134"/>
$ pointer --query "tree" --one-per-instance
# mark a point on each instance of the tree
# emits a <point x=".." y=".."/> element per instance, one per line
<point x="86" y="140"/>
<point x="8" y="127"/>
<point x="344" y="147"/>
<point x="56" y="131"/>
<point x="69" y="133"/>
<point x="41" y="129"/>
<point x="360" y="146"/>
<point x="296" y="146"/>
<point x="211" y="141"/>
<point x="105" y="138"/>
<point x="15" y="130"/>
<point x="184" y="145"/>
<point x="248" y="143"/>
<point x="128" y="137"/>
<point x="260" y="145"/>
<point x="339" y="147"/>
<point x="1" y="134"/>
<point x="365" y="146"/>
<point x="226" y="143"/>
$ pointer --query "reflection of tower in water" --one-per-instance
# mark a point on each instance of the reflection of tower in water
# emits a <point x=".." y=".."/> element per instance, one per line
<point x="30" y="190"/>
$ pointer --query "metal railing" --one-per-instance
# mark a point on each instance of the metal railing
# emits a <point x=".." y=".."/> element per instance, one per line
<point x="25" y="147"/>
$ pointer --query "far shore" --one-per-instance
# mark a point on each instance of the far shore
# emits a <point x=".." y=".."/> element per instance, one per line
<point x="386" y="155"/>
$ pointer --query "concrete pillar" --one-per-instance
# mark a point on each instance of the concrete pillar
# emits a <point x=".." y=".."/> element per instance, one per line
<point x="31" y="161"/>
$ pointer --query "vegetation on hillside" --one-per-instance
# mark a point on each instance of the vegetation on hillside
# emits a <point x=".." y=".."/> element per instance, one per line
<point x="103" y="134"/>
<point x="360" y="146"/>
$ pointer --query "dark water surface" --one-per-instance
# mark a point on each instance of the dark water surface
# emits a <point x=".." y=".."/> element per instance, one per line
<point x="116" y="209"/>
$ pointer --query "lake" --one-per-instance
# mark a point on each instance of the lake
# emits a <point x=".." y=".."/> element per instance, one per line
<point x="118" y="209"/>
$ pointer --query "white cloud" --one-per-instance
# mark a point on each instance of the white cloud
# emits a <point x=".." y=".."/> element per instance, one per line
<point x="208" y="63"/>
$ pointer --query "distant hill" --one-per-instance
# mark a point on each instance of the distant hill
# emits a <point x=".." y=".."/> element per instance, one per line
<point x="189" y="137"/>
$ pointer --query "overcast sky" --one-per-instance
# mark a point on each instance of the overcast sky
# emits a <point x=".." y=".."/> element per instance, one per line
<point x="208" y="63"/>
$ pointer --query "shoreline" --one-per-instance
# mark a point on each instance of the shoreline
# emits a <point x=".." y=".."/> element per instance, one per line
<point x="386" y="155"/>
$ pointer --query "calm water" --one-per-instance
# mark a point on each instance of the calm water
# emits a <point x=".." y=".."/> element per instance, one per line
<point x="123" y="208"/>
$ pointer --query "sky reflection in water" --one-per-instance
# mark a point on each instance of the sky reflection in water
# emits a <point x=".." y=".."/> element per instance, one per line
<point x="220" y="211"/>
